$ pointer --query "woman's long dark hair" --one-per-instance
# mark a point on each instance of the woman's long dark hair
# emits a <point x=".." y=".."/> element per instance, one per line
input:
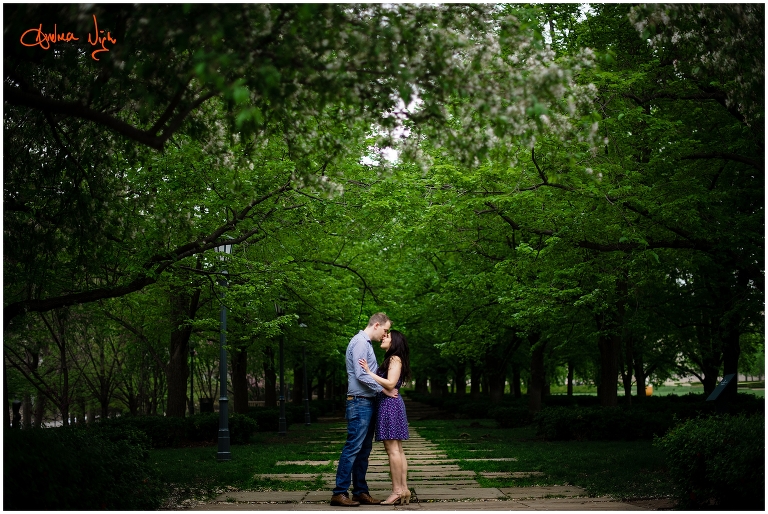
<point x="399" y="347"/>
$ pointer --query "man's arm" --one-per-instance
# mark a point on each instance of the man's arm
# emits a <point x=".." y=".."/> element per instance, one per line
<point x="359" y="351"/>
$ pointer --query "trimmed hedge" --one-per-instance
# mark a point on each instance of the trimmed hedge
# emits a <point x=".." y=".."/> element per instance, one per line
<point x="78" y="469"/>
<point x="643" y="420"/>
<point x="512" y="417"/>
<point x="268" y="418"/>
<point x="167" y="432"/>
<point x="718" y="460"/>
<point x="599" y="424"/>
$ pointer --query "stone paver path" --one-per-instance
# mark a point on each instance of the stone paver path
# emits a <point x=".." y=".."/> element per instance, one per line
<point x="436" y="482"/>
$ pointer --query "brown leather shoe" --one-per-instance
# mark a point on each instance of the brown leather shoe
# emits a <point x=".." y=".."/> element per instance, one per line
<point x="342" y="500"/>
<point x="365" y="499"/>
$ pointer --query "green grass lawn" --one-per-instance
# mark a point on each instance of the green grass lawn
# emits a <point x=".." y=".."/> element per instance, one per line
<point x="617" y="469"/>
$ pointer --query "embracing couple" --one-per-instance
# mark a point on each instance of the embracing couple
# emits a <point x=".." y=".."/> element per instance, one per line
<point x="374" y="407"/>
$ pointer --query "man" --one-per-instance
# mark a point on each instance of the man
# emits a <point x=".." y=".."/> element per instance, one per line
<point x="361" y="415"/>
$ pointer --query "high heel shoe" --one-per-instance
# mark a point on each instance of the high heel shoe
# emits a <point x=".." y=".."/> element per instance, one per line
<point x="406" y="497"/>
<point x="394" y="499"/>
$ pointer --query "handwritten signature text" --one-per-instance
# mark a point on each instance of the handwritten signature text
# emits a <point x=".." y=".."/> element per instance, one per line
<point x="45" y="39"/>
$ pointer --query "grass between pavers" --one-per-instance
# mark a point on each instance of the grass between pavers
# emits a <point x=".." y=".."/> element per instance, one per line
<point x="194" y="473"/>
<point x="621" y="470"/>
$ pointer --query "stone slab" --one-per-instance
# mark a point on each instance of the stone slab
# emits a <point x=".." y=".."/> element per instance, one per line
<point x="542" y="491"/>
<point x="434" y="468"/>
<point x="415" y="462"/>
<point x="325" y="496"/>
<point x="303" y="463"/>
<point x="440" y="474"/>
<point x="510" y="474"/>
<point x="416" y="475"/>
<point x="473" y="505"/>
<point x="286" y="476"/>
<point x="256" y="496"/>
<point x="500" y="459"/>
<point x="560" y="504"/>
<point x="425" y="493"/>
<point x="383" y="484"/>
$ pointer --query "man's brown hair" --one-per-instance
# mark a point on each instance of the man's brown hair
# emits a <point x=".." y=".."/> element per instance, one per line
<point x="379" y="318"/>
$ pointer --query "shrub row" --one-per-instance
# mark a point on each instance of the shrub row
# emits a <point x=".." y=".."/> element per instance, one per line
<point x="78" y="469"/>
<point x="718" y="461"/>
<point x="599" y="424"/>
<point x="167" y="432"/>
<point x="268" y="418"/>
<point x="653" y="417"/>
<point x="580" y="417"/>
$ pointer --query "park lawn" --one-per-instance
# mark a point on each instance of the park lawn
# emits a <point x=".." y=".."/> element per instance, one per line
<point x="622" y="470"/>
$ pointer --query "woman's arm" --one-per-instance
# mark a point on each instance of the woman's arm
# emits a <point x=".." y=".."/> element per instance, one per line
<point x="394" y="370"/>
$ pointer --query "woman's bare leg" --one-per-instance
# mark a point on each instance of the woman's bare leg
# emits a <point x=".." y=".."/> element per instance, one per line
<point x="404" y="476"/>
<point x="395" y="465"/>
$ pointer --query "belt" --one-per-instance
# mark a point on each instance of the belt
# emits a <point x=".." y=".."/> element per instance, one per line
<point x="361" y="397"/>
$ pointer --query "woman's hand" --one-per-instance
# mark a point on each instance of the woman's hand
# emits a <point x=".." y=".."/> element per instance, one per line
<point x="364" y="364"/>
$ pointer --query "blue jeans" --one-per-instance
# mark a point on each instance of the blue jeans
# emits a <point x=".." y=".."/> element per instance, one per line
<point x="353" y="463"/>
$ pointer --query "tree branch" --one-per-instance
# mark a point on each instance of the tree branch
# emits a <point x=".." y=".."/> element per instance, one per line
<point x="758" y="165"/>
<point x="342" y="266"/>
<point x="149" y="138"/>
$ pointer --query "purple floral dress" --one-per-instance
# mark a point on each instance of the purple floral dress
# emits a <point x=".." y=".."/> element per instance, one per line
<point x="391" y="422"/>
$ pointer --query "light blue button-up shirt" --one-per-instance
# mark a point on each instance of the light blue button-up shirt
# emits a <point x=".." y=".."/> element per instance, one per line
<point x="359" y="382"/>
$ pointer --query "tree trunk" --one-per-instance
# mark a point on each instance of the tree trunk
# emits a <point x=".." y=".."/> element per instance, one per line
<point x="731" y="353"/>
<point x="570" y="379"/>
<point x="82" y="410"/>
<point x="421" y="385"/>
<point x="609" y="345"/>
<point x="183" y="309"/>
<point x="321" y="383"/>
<point x="536" y="383"/>
<point x="460" y="381"/>
<point x="710" y="380"/>
<point x="39" y="411"/>
<point x="26" y="413"/>
<point x="475" y="376"/>
<point x="64" y="395"/>
<point x="496" y="383"/>
<point x="297" y="394"/>
<point x="329" y="388"/>
<point x="515" y="384"/>
<point x="436" y="385"/>
<point x="626" y="370"/>
<point x="639" y="373"/>
<point x="240" y="380"/>
<point x="270" y="379"/>
<point x="5" y="398"/>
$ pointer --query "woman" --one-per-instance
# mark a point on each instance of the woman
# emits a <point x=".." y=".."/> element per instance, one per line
<point x="391" y="422"/>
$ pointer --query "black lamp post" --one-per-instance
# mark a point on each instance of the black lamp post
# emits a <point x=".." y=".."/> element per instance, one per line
<point x="307" y="420"/>
<point x="191" y="380"/>
<point x="223" y="453"/>
<point x="282" y="425"/>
